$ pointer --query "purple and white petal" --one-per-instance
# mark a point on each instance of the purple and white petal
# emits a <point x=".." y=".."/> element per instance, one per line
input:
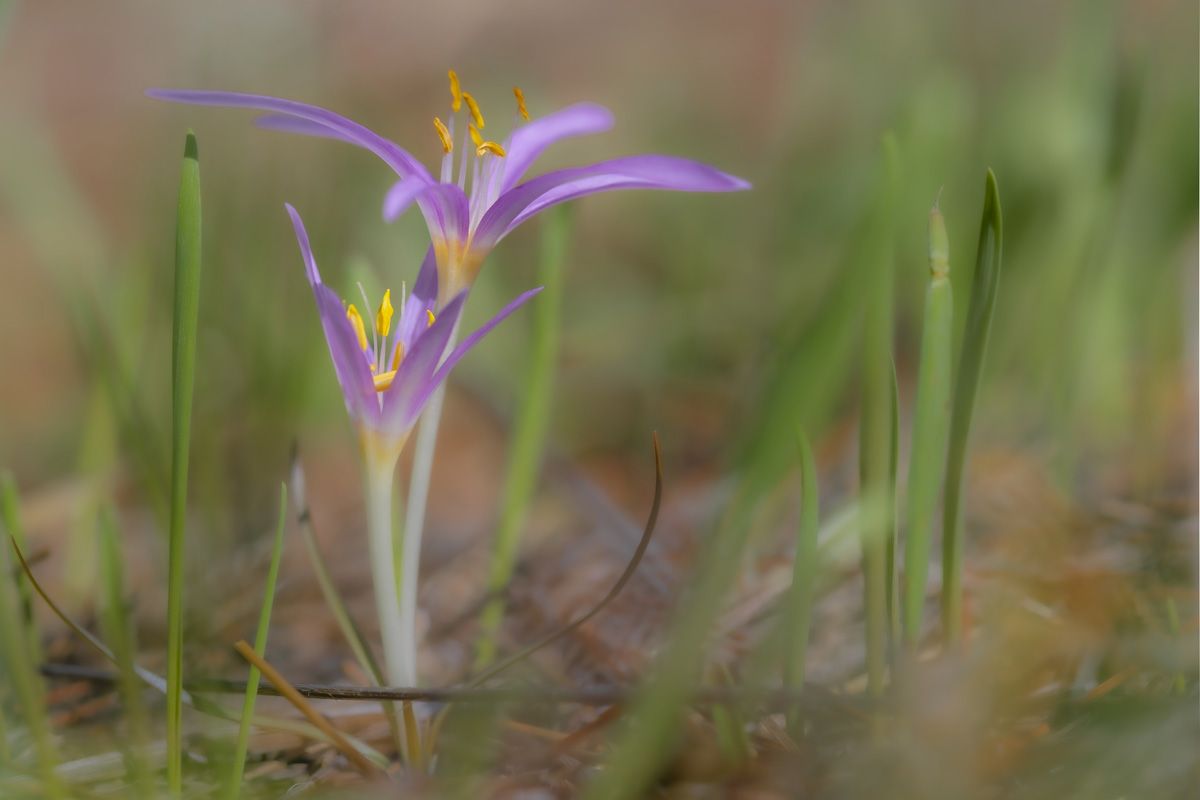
<point x="465" y="346"/>
<point x="404" y="399"/>
<point x="353" y="372"/>
<point x="633" y="172"/>
<point x="337" y="126"/>
<point x="529" y="140"/>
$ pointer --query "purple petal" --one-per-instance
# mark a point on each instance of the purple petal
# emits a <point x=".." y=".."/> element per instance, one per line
<point x="528" y="141"/>
<point x="426" y="286"/>
<point x="400" y="197"/>
<point x="633" y="172"/>
<point x="353" y="373"/>
<point x="406" y="397"/>
<point x="444" y="206"/>
<point x="336" y="125"/>
<point x="465" y="346"/>
<point x="422" y="298"/>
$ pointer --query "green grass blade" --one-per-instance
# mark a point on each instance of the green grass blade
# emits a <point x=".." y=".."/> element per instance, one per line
<point x="970" y="368"/>
<point x="10" y="516"/>
<point x="805" y="569"/>
<point x="118" y="630"/>
<point x="20" y="668"/>
<point x="893" y="583"/>
<point x="875" y="442"/>
<point x="529" y="434"/>
<point x="237" y="768"/>
<point x="183" y="370"/>
<point x="931" y="425"/>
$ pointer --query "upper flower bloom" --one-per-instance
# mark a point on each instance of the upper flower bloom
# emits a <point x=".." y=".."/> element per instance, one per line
<point x="388" y="375"/>
<point x="477" y="198"/>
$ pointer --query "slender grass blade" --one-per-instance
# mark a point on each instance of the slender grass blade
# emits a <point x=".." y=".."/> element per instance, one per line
<point x="931" y="425"/>
<point x="529" y="435"/>
<point x="970" y="368"/>
<point x="183" y="369"/>
<point x="237" y="768"/>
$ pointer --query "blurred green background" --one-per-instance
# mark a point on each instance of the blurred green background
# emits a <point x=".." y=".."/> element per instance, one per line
<point x="719" y="320"/>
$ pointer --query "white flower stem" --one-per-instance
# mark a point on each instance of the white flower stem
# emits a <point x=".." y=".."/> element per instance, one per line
<point x="392" y="628"/>
<point x="414" y="516"/>
<point x="414" y="523"/>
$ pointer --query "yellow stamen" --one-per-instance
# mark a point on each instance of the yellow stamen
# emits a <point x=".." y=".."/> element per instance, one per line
<point x="521" y="109"/>
<point x="383" y="318"/>
<point x="356" y="322"/>
<point x="384" y="380"/>
<point x="475" y="137"/>
<point x="444" y="134"/>
<point x="398" y="355"/>
<point x="474" y="109"/>
<point x="490" y="147"/>
<point x="430" y="317"/>
<point x="456" y="93"/>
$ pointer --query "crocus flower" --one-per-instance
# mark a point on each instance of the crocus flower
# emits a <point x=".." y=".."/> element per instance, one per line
<point x="390" y="367"/>
<point x="478" y="197"/>
<point x="387" y="377"/>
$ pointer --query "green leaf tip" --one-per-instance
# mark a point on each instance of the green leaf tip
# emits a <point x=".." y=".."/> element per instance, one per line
<point x="190" y="149"/>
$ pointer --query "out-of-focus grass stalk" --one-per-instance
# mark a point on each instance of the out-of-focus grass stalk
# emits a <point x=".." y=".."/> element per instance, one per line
<point x="798" y="611"/>
<point x="118" y="630"/>
<point x="10" y="515"/>
<point x="183" y="372"/>
<point x="970" y="367"/>
<point x="875" y="434"/>
<point x="648" y="733"/>
<point x="237" y="768"/>
<point x="893" y="580"/>
<point x="931" y="425"/>
<point x="21" y="667"/>
<point x="529" y="434"/>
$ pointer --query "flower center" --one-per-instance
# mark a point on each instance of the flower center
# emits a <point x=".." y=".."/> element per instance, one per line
<point x="376" y="347"/>
<point x="484" y="175"/>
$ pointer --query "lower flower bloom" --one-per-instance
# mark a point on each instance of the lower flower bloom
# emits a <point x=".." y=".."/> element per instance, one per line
<point x="389" y="372"/>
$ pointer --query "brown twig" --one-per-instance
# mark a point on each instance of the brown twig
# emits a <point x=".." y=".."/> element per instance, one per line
<point x="304" y="707"/>
<point x="630" y="568"/>
<point x="597" y="696"/>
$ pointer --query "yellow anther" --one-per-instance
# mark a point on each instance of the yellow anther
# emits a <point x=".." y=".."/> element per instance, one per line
<point x="383" y="317"/>
<point x="444" y="134"/>
<point x="475" y="136"/>
<point x="521" y="109"/>
<point x="456" y="92"/>
<point x="474" y="109"/>
<point x="356" y="322"/>
<point x="429" y="318"/>
<point x="384" y="379"/>
<point x="398" y="354"/>
<point x="490" y="147"/>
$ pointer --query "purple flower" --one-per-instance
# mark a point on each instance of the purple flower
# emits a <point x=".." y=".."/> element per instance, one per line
<point x="388" y="368"/>
<point x="477" y="198"/>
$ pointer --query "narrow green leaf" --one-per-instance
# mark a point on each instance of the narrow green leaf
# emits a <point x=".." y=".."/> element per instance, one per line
<point x="875" y="432"/>
<point x="529" y="434"/>
<point x="10" y="515"/>
<point x="183" y="371"/>
<point x="118" y="630"/>
<point x="20" y="662"/>
<point x="805" y="569"/>
<point x="931" y="425"/>
<point x="237" y="768"/>
<point x="970" y="368"/>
